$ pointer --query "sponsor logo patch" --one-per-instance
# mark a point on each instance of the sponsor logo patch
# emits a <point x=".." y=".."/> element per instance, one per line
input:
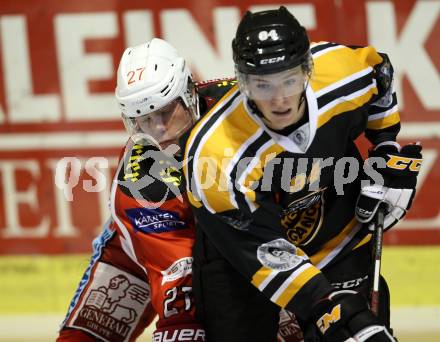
<point x="279" y="255"/>
<point x="327" y="319"/>
<point x="178" y="269"/>
<point x="349" y="284"/>
<point x="272" y="60"/>
<point x="188" y="334"/>
<point x="113" y="304"/>
<point x="98" y="244"/>
<point x="154" y="220"/>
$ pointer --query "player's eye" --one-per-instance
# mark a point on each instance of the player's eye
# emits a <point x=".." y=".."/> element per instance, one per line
<point x="290" y="82"/>
<point x="164" y="111"/>
<point x="264" y="86"/>
<point x="146" y="120"/>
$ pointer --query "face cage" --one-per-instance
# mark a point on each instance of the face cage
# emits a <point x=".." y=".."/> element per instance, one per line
<point x="140" y="134"/>
<point x="244" y="82"/>
<point x="191" y="99"/>
<point x="190" y="102"/>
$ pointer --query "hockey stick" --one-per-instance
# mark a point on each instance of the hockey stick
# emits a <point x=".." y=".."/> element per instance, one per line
<point x="377" y="258"/>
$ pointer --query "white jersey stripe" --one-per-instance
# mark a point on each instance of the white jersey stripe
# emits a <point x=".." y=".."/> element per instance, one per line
<point x="323" y="52"/>
<point x="249" y="169"/>
<point x="341" y="99"/>
<point x="236" y="159"/>
<point x="339" y="247"/>
<point x="343" y="81"/>
<point x="206" y="136"/>
<point x="288" y="281"/>
<point x="206" y="118"/>
<point x="126" y="243"/>
<point x="383" y="114"/>
<point x="196" y="190"/>
<point x="268" y="279"/>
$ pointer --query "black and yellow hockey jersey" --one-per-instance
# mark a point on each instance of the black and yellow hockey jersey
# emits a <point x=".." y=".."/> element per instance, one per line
<point x="281" y="208"/>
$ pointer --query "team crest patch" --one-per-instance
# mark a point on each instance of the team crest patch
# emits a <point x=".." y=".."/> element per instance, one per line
<point x="278" y="255"/>
<point x="112" y="305"/>
<point x="302" y="218"/>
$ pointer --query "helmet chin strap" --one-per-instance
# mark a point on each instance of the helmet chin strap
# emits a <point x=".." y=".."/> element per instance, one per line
<point x="303" y="93"/>
<point x="302" y="98"/>
<point x="253" y="106"/>
<point x="145" y="139"/>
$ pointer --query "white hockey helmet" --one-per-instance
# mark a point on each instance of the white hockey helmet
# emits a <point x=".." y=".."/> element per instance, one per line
<point x="155" y="92"/>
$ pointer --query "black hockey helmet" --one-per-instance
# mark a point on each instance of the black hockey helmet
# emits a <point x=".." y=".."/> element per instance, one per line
<point x="270" y="41"/>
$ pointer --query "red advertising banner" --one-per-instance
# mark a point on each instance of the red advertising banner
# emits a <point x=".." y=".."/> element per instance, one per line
<point x="57" y="76"/>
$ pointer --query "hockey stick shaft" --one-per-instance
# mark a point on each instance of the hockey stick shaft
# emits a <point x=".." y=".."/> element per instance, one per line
<point x="377" y="258"/>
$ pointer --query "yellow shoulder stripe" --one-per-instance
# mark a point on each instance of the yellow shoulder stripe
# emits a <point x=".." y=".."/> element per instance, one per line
<point x="257" y="171"/>
<point x="365" y="240"/>
<point x="261" y="275"/>
<point x="341" y="63"/>
<point x="346" y="106"/>
<point x="329" y="246"/>
<point x="385" y="122"/>
<point x="193" y="200"/>
<point x="196" y="128"/>
<point x="220" y="149"/>
<point x="196" y="203"/>
<point x="293" y="288"/>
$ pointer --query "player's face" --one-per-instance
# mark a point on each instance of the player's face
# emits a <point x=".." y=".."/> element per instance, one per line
<point x="281" y="112"/>
<point x="277" y="96"/>
<point x="165" y="125"/>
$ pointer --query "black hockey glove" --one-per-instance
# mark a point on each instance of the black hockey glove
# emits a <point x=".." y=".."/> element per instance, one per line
<point x="344" y="316"/>
<point x="399" y="183"/>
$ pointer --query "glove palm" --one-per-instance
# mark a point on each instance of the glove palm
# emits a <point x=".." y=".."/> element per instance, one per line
<point x="400" y="171"/>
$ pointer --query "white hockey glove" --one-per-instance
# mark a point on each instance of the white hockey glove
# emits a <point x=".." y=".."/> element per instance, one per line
<point x="399" y="183"/>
